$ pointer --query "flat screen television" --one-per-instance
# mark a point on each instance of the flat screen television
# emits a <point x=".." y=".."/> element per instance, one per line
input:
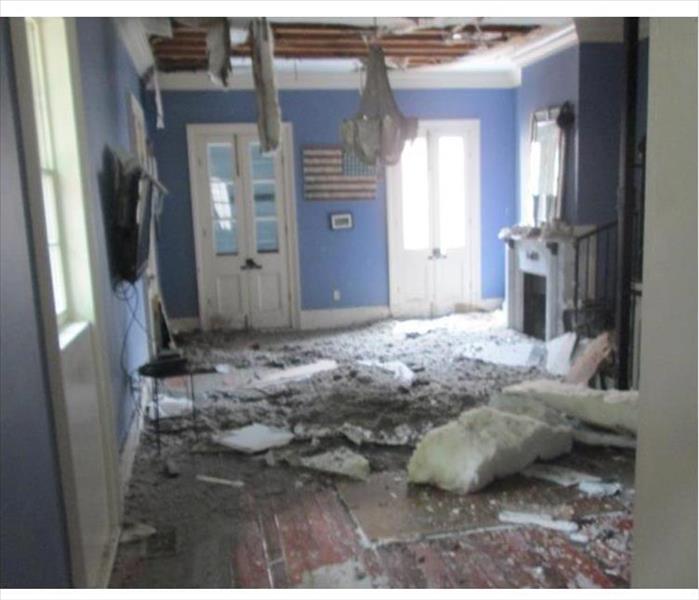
<point x="133" y="196"/>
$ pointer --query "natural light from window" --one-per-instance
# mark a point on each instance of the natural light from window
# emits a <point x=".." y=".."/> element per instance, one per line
<point x="414" y="183"/>
<point x="452" y="192"/>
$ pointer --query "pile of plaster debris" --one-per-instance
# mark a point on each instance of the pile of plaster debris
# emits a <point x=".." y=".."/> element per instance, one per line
<point x="411" y="384"/>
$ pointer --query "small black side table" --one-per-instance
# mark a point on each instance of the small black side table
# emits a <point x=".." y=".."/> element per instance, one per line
<point x="167" y="367"/>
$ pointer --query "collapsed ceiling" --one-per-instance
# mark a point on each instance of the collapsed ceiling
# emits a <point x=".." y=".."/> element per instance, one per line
<point x="407" y="43"/>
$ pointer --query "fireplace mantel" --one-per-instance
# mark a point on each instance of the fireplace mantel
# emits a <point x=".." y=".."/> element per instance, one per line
<point x="552" y="257"/>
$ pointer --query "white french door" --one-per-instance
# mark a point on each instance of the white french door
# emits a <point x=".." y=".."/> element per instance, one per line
<point x="434" y="220"/>
<point x="240" y="215"/>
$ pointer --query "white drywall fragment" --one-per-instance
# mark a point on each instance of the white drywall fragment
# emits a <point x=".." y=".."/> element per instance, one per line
<point x="561" y="475"/>
<point x="341" y="461"/>
<point x="481" y="445"/>
<point x="541" y="519"/>
<point x="170" y="407"/>
<point x="254" y="438"/>
<point x="299" y="373"/>
<point x="136" y="532"/>
<point x="612" y="409"/>
<point x="559" y="352"/>
<point x="599" y="488"/>
<point x="591" y="437"/>
<point x="578" y="537"/>
<point x="236" y="483"/>
<point x="398" y="369"/>
<point x="529" y="407"/>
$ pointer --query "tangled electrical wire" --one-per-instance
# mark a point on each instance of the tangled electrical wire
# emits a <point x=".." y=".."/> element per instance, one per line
<point x="127" y="292"/>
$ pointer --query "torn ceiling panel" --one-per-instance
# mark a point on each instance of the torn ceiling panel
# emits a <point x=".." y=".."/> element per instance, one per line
<point x="405" y="42"/>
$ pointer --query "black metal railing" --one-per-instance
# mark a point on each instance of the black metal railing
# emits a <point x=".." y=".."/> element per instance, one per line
<point x="594" y="285"/>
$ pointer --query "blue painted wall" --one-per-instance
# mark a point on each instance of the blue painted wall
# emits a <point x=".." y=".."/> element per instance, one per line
<point x="590" y="76"/>
<point x="33" y="539"/>
<point x="108" y="77"/>
<point x="601" y="78"/>
<point x="550" y="82"/>
<point x="353" y="261"/>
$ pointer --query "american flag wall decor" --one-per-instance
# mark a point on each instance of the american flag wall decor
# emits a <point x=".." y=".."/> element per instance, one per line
<point x="330" y="173"/>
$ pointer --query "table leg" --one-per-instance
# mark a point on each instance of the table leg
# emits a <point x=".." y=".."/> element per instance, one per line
<point x="194" y="406"/>
<point x="156" y="398"/>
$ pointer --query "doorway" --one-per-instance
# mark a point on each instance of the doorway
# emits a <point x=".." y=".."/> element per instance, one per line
<point x="244" y="220"/>
<point x="434" y="220"/>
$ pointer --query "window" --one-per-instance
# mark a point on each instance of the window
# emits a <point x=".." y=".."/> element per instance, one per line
<point x="452" y="192"/>
<point x="49" y="175"/>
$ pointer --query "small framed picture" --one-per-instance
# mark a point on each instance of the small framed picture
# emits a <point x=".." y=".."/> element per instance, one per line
<point x="341" y="221"/>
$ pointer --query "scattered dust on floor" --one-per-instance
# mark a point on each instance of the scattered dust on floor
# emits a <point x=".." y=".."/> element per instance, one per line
<point x="336" y="407"/>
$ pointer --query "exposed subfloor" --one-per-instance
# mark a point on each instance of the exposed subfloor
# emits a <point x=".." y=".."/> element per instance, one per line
<point x="277" y="525"/>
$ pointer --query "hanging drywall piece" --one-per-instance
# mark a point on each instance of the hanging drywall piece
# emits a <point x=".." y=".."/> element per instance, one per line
<point x="268" y="114"/>
<point x="379" y="130"/>
<point x="218" y="47"/>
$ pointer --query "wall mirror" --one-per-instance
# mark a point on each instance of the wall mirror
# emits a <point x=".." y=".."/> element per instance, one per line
<point x="547" y="152"/>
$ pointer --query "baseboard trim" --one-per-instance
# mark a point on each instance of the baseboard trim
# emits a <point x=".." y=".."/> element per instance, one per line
<point x="332" y="318"/>
<point x="482" y="304"/>
<point x="128" y="451"/>
<point x="184" y="325"/>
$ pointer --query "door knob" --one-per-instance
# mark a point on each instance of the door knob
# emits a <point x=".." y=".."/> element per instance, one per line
<point x="436" y="253"/>
<point x="250" y="264"/>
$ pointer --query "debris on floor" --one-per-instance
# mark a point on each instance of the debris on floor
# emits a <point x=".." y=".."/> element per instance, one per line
<point x="557" y="474"/>
<point x="258" y="517"/>
<point x="135" y="532"/>
<point x="171" y="468"/>
<point x="294" y="374"/>
<point x="169" y="407"/>
<point x="220" y="481"/>
<point x="254" y="438"/>
<point x="341" y="461"/>
<point x="591" y="358"/>
<point x="542" y="520"/>
<point x="559" y="352"/>
<point x="600" y="488"/>
<point x="398" y="369"/>
<point x="595" y="437"/>
<point x="483" y="444"/>
<point x="611" y="409"/>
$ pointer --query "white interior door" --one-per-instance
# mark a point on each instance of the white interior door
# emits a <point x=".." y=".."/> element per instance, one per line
<point x="434" y="220"/>
<point x="240" y="221"/>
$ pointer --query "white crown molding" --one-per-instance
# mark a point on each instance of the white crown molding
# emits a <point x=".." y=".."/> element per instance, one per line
<point x="242" y="80"/>
<point x="133" y="35"/>
<point x="558" y="41"/>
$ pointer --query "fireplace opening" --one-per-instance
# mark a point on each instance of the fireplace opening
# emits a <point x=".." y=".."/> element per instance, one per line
<point x="535" y="306"/>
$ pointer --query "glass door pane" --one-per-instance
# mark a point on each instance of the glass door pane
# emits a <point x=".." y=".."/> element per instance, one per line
<point x="221" y="161"/>
<point x="264" y="199"/>
<point x="452" y="192"/>
<point x="415" y="195"/>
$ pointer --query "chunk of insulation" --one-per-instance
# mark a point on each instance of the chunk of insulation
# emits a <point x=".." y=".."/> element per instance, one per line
<point x="481" y="445"/>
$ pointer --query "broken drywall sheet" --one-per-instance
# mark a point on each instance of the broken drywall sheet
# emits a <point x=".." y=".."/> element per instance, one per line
<point x="300" y="373"/>
<point x="170" y="407"/>
<point x="398" y="369"/>
<point x="135" y="532"/>
<point x="483" y="444"/>
<point x="236" y="483"/>
<point x="529" y="407"/>
<point x="600" y="488"/>
<point x="592" y="437"/>
<point x="611" y="409"/>
<point x="559" y="352"/>
<point x="341" y="461"/>
<point x="589" y="360"/>
<point x="560" y="475"/>
<point x="540" y="519"/>
<point x="348" y="574"/>
<point x="254" y="438"/>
